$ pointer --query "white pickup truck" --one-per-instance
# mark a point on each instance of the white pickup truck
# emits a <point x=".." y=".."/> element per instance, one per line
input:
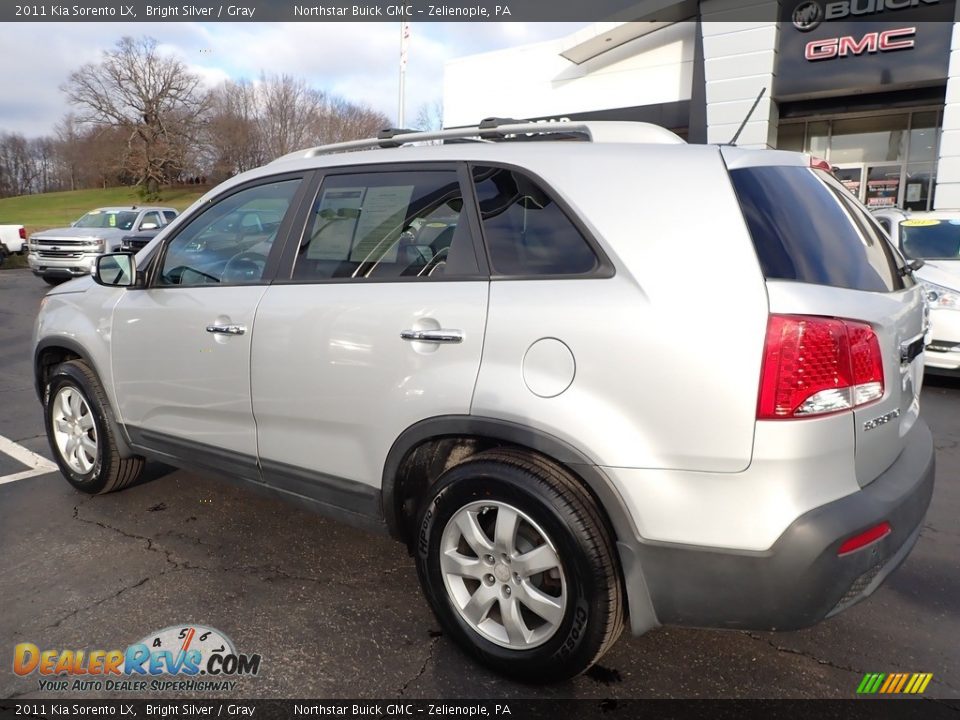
<point x="13" y="239"/>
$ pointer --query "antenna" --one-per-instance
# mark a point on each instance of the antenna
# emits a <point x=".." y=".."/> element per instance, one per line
<point x="733" y="140"/>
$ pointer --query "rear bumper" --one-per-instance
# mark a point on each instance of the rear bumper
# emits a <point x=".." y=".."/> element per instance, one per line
<point x="800" y="580"/>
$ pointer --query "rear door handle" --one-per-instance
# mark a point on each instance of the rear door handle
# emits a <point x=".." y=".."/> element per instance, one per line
<point x="227" y="329"/>
<point x="433" y="336"/>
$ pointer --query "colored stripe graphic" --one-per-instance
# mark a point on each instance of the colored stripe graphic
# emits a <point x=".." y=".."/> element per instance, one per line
<point x="894" y="683"/>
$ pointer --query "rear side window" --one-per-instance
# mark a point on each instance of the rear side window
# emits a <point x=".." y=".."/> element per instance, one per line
<point x="807" y="227"/>
<point x="526" y="232"/>
<point x="387" y="226"/>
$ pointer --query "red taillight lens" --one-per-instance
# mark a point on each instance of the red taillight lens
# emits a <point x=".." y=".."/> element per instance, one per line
<point x="817" y="365"/>
<point x="23" y="234"/>
<point x="865" y="538"/>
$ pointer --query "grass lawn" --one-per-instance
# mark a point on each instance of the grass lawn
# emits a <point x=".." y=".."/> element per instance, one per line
<point x="59" y="209"/>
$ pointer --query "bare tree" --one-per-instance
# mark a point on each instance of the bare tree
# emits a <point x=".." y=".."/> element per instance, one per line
<point x="233" y="135"/>
<point x="153" y="98"/>
<point x="288" y="108"/>
<point x="430" y="116"/>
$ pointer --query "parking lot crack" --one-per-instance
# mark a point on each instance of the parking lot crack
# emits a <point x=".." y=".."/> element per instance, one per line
<point x="802" y="653"/>
<point x="151" y="546"/>
<point x="431" y="649"/>
<point x="94" y="604"/>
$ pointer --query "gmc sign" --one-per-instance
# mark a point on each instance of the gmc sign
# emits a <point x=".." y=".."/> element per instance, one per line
<point x="872" y="42"/>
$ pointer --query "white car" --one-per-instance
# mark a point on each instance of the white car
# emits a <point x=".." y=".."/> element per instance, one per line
<point x="933" y="237"/>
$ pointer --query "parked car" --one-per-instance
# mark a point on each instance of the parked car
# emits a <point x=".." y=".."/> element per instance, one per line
<point x="577" y="402"/>
<point x="934" y="239"/>
<point x="13" y="240"/>
<point x="62" y="253"/>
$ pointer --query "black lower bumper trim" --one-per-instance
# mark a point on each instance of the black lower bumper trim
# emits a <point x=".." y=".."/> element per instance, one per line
<point x="800" y="579"/>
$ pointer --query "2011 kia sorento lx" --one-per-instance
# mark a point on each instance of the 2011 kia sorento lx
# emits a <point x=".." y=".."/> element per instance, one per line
<point x="590" y="374"/>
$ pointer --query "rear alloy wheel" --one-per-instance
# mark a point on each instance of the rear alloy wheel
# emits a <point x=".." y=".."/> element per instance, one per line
<point x="518" y="565"/>
<point x="80" y="431"/>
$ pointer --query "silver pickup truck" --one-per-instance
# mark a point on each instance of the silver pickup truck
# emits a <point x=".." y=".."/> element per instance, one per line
<point x="62" y="253"/>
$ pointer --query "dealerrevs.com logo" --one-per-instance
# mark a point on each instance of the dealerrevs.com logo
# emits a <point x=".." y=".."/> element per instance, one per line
<point x="808" y="14"/>
<point x="178" y="658"/>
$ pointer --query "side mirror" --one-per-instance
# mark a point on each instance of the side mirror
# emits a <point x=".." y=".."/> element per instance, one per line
<point x="116" y="270"/>
<point x="148" y="226"/>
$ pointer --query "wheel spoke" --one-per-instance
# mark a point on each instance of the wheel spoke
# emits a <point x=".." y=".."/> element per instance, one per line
<point x="454" y="563"/>
<point x="473" y="533"/>
<point x="538" y="602"/>
<point x="61" y="425"/>
<point x="65" y="408"/>
<point x="517" y="632"/>
<point x="505" y="533"/>
<point x="89" y="446"/>
<point x="70" y="447"/>
<point x="81" y="459"/>
<point x="538" y="560"/>
<point x="86" y="421"/>
<point x="479" y="604"/>
<point x="75" y="404"/>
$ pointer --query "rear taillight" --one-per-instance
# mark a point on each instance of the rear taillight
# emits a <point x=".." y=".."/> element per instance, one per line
<point x="23" y="234"/>
<point x="817" y="365"/>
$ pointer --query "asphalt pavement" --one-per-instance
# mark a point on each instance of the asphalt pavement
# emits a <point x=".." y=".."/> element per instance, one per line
<point x="337" y="613"/>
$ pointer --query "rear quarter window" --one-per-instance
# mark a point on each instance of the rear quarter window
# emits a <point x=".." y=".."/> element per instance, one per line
<point x="807" y="227"/>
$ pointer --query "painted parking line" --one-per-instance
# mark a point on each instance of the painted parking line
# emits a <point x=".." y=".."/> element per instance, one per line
<point x="38" y="464"/>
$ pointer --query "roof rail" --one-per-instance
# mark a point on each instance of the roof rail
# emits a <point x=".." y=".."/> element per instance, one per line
<point x="499" y="128"/>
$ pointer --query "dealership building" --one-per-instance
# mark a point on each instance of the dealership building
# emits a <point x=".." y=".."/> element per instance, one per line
<point x="872" y="86"/>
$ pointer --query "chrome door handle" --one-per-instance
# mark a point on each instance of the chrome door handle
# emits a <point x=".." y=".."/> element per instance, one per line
<point x="433" y="336"/>
<point x="227" y="329"/>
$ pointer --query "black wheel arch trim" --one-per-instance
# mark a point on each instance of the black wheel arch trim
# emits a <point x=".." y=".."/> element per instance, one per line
<point x="625" y="534"/>
<point x="119" y="432"/>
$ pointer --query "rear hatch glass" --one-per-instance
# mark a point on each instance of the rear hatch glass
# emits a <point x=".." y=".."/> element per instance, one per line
<point x="805" y="226"/>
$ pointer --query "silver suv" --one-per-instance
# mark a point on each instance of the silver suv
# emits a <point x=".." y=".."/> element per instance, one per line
<point x="589" y="374"/>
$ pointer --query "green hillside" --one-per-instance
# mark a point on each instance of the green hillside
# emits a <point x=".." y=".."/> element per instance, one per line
<point x="48" y="210"/>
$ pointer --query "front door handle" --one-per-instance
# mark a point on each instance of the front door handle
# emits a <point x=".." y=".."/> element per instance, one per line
<point x="227" y="329"/>
<point x="433" y="336"/>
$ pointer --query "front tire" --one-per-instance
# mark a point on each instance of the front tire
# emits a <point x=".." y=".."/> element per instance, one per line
<point x="80" y="431"/>
<point x="519" y="566"/>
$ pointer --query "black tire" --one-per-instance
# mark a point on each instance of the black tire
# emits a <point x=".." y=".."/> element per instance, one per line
<point x="49" y="280"/>
<point x="561" y="506"/>
<point x="109" y="471"/>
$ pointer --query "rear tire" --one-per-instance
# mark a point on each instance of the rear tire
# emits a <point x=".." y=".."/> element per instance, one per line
<point x="519" y="567"/>
<point x="79" y="428"/>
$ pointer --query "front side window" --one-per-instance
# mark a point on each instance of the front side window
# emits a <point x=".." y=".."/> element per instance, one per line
<point x="169" y="215"/>
<point x="388" y="225"/>
<point x="525" y="230"/>
<point x="229" y="242"/>
<point x="150" y="218"/>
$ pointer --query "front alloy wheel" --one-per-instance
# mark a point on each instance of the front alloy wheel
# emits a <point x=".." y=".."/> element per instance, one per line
<point x="74" y="430"/>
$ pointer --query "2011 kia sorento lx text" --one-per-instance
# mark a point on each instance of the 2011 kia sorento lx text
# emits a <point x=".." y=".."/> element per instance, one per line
<point x="590" y="374"/>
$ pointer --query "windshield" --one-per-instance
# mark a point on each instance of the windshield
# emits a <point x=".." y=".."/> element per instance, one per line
<point x="120" y="219"/>
<point x="931" y="239"/>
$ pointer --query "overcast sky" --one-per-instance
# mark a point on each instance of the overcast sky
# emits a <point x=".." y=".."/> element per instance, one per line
<point x="358" y="61"/>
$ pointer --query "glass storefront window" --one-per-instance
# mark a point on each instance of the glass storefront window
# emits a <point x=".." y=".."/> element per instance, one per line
<point x="872" y="139"/>
<point x="884" y="160"/>
<point x="923" y="137"/>
<point x="917" y="186"/>
<point x="818" y="138"/>
<point x="790" y="137"/>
